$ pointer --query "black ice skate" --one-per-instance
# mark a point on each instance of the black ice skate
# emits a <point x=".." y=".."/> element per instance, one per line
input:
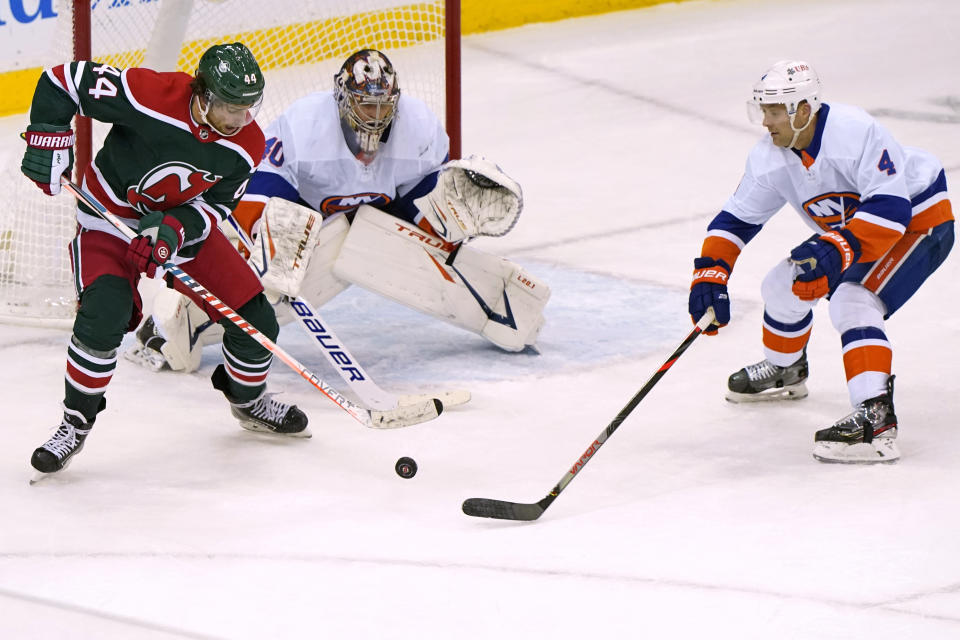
<point x="766" y="381"/>
<point x="866" y="436"/>
<point x="147" y="351"/>
<point x="264" y="413"/>
<point x="57" y="452"/>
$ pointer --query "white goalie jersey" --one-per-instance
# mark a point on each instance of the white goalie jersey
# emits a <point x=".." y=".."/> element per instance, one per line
<point x="307" y="160"/>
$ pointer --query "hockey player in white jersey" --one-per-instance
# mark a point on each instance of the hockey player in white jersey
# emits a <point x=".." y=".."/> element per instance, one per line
<point x="882" y="224"/>
<point x="355" y="187"/>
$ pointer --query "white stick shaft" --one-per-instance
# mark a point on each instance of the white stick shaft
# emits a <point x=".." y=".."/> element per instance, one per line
<point x="330" y="345"/>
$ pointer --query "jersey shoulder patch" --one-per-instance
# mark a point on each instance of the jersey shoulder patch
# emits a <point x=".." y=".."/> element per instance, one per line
<point x="164" y="94"/>
<point x="252" y="141"/>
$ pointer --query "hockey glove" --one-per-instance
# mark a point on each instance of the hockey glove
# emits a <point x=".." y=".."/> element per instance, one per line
<point x="48" y="156"/>
<point x="822" y="260"/>
<point x="161" y="236"/>
<point x="472" y="197"/>
<point x="709" y="289"/>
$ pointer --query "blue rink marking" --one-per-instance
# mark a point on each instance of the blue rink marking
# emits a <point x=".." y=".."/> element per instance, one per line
<point x="592" y="320"/>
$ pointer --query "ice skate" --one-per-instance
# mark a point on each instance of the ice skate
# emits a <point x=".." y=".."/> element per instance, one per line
<point x="173" y="336"/>
<point x="146" y="352"/>
<point x="56" y="453"/>
<point x="268" y="415"/>
<point x="765" y="381"/>
<point x="264" y="413"/>
<point x="866" y="436"/>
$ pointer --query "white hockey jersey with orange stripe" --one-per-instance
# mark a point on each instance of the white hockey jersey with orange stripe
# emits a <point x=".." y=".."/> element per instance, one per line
<point x="853" y="174"/>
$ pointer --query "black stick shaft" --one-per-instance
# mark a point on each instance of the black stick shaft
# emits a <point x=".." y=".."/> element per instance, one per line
<point x="486" y="508"/>
<point x="626" y="411"/>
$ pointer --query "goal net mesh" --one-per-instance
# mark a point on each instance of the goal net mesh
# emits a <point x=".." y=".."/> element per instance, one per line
<point x="299" y="44"/>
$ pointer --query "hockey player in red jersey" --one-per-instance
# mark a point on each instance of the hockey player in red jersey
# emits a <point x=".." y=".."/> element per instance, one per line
<point x="882" y="223"/>
<point x="175" y="161"/>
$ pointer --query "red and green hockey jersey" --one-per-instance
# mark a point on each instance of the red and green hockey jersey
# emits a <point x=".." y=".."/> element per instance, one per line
<point x="156" y="156"/>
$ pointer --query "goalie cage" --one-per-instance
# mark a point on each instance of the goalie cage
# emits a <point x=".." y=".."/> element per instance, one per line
<point x="300" y="44"/>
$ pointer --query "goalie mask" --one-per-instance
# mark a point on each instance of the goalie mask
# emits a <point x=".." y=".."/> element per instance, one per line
<point x="367" y="92"/>
<point x="788" y="82"/>
<point x="229" y="86"/>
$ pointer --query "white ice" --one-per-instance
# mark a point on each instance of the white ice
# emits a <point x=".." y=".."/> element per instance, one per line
<point x="698" y="518"/>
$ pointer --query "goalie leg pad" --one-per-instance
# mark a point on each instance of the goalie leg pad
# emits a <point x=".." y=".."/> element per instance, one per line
<point x="185" y="329"/>
<point x="482" y="293"/>
<point x="524" y="297"/>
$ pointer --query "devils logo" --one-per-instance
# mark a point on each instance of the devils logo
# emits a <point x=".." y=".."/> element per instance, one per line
<point x="169" y="185"/>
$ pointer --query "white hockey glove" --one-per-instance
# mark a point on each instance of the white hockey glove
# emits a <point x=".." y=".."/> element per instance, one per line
<point x="473" y="197"/>
<point x="285" y="244"/>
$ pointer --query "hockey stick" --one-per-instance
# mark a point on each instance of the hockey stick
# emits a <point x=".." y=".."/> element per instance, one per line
<point x="337" y="354"/>
<point x="400" y="417"/>
<point x="503" y="510"/>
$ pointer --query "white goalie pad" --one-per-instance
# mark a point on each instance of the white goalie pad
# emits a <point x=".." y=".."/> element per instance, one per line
<point x="472" y="197"/>
<point x="479" y="292"/>
<point x="184" y="328"/>
<point x="295" y="241"/>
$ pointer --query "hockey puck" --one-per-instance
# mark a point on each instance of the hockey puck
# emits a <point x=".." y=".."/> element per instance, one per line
<point x="406" y="467"/>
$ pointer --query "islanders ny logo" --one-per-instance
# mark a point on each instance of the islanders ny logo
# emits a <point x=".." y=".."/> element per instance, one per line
<point x="340" y="204"/>
<point x="832" y="210"/>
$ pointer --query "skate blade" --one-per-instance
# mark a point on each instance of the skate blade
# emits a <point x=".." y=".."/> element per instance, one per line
<point x="146" y="358"/>
<point x="258" y="428"/>
<point x="880" y="451"/>
<point x="451" y="398"/>
<point x="38" y="476"/>
<point x="789" y="392"/>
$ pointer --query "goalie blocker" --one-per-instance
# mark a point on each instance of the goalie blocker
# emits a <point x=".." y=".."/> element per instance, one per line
<point x="482" y="293"/>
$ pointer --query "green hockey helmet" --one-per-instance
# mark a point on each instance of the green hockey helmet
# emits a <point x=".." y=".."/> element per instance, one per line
<point x="230" y="83"/>
<point x="231" y="73"/>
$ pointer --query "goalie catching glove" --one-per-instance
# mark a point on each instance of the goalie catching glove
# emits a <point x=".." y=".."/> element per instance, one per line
<point x="473" y="197"/>
<point x="49" y="155"/>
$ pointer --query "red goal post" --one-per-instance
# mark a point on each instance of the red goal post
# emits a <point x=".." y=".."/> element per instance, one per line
<point x="300" y="44"/>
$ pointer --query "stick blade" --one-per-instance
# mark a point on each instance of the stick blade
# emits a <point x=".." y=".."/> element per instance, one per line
<point x="406" y="415"/>
<point x="450" y="398"/>
<point x="501" y="509"/>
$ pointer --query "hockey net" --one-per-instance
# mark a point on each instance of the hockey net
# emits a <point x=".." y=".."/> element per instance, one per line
<point x="300" y="44"/>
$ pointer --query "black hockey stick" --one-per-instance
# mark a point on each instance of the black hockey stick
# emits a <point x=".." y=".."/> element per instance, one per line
<point x="504" y="510"/>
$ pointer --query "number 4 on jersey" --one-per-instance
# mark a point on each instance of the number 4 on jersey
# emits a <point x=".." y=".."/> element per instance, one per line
<point x="104" y="87"/>
<point x="886" y="164"/>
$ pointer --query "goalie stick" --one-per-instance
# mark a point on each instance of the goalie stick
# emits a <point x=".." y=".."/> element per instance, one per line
<point x="340" y="358"/>
<point x="399" y="417"/>
<point x="504" y="510"/>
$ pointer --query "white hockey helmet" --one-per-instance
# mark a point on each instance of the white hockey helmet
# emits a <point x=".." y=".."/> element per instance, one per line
<point x="788" y="82"/>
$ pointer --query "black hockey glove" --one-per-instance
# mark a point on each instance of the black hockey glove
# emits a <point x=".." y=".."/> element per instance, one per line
<point x="822" y="261"/>
<point x="709" y="289"/>
<point x="48" y="156"/>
